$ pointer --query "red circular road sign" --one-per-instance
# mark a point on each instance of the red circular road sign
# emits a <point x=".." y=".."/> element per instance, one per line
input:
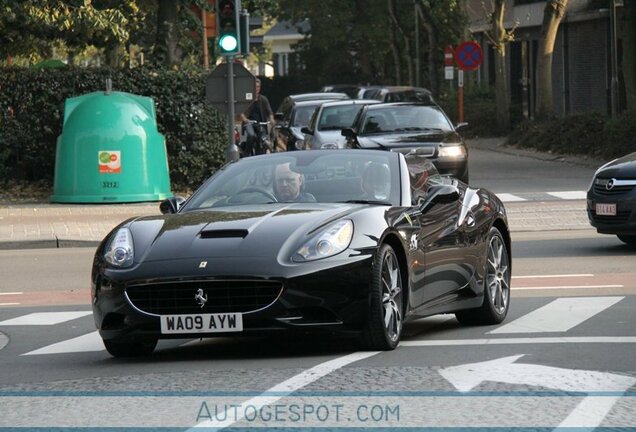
<point x="449" y="55"/>
<point x="468" y="55"/>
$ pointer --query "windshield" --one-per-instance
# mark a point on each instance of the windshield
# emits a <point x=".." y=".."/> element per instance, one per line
<point x="405" y="118"/>
<point x="303" y="115"/>
<point x="321" y="176"/>
<point x="338" y="117"/>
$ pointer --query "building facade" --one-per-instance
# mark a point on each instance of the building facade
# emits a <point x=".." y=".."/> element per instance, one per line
<point x="582" y="68"/>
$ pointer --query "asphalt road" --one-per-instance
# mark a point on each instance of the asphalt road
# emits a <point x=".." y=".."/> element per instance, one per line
<point x="564" y="356"/>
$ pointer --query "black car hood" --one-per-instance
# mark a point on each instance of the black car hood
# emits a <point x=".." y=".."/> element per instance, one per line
<point x="413" y="139"/>
<point x="624" y="168"/>
<point x="241" y="231"/>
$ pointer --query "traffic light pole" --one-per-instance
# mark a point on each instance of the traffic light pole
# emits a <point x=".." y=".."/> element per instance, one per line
<point x="232" y="151"/>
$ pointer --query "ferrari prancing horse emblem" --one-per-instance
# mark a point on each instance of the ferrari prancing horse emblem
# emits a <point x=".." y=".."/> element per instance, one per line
<point x="201" y="297"/>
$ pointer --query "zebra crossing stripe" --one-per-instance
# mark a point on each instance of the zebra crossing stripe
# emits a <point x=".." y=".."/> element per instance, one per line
<point x="569" y="195"/>
<point x="558" y="316"/>
<point x="86" y="343"/>
<point x="45" y="318"/>
<point x="506" y="197"/>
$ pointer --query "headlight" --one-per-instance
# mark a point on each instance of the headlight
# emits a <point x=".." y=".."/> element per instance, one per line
<point x="452" y="151"/>
<point x="329" y="146"/>
<point x="300" y="144"/>
<point x="119" y="252"/>
<point x="330" y="241"/>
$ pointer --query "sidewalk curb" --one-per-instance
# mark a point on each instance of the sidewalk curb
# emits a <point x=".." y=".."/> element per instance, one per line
<point x="498" y="144"/>
<point x="47" y="244"/>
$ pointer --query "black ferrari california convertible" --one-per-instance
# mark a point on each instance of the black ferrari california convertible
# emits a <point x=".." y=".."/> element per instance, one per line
<point x="350" y="241"/>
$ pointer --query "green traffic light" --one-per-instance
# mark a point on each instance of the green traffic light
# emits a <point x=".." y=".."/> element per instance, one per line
<point x="228" y="43"/>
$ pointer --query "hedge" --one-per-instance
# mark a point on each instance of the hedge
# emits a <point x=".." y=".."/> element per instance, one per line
<point x="32" y="104"/>
<point x="590" y="134"/>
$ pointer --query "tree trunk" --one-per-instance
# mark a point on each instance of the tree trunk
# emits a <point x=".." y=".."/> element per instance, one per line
<point x="433" y="69"/>
<point x="629" y="53"/>
<point x="552" y="15"/>
<point x="364" y="58"/>
<point x="502" y="90"/>
<point x="166" y="50"/>
<point x="394" y="47"/>
<point x="407" y="44"/>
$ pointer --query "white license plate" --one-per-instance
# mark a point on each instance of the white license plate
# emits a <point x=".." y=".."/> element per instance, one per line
<point x="605" y="209"/>
<point x="201" y="323"/>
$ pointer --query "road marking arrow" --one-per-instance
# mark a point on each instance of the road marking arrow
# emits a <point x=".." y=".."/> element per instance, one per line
<point x="589" y="413"/>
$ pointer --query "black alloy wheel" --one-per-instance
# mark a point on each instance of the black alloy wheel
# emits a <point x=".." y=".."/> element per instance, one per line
<point x="496" y="285"/>
<point x="386" y="309"/>
<point x="130" y="347"/>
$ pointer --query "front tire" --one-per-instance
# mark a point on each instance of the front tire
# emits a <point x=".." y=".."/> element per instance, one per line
<point x="386" y="305"/>
<point x="130" y="347"/>
<point x="497" y="285"/>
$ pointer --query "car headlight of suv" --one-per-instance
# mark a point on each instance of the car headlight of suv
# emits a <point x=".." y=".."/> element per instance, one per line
<point x="332" y="240"/>
<point x="120" y="251"/>
<point x="452" y="152"/>
<point x="300" y="144"/>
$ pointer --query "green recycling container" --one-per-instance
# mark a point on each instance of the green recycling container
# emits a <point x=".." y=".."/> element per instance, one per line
<point x="110" y="151"/>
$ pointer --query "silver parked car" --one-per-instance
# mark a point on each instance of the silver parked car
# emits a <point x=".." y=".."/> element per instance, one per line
<point x="324" y="130"/>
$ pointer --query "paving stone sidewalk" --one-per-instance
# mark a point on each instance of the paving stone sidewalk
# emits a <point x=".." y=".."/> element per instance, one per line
<point x="56" y="225"/>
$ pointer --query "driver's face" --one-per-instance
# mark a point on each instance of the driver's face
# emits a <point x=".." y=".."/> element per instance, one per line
<point x="288" y="183"/>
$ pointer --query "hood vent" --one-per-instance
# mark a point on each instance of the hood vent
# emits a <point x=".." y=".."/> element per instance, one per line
<point x="235" y="233"/>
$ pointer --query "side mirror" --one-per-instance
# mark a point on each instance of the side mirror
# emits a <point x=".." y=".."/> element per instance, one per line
<point x="306" y="130"/>
<point x="461" y="125"/>
<point x="171" y="205"/>
<point x="439" y="194"/>
<point x="348" y="132"/>
<point x="278" y="116"/>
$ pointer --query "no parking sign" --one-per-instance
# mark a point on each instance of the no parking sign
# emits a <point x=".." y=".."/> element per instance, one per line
<point x="468" y="55"/>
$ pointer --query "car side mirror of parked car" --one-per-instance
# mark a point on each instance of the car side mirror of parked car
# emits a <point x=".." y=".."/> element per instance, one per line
<point x="171" y="205"/>
<point x="461" y="125"/>
<point x="306" y="130"/>
<point x="348" y="132"/>
<point x="439" y="194"/>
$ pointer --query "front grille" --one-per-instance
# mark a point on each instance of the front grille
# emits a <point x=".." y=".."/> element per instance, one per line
<point x="616" y="190"/>
<point x="621" y="217"/>
<point x="222" y="296"/>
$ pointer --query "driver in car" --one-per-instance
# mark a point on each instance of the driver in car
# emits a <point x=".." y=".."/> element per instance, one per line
<point x="288" y="185"/>
<point x="376" y="182"/>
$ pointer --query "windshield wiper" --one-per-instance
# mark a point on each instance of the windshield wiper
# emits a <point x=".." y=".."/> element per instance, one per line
<point x="377" y="202"/>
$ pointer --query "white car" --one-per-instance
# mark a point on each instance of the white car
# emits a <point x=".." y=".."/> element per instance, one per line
<point x="324" y="130"/>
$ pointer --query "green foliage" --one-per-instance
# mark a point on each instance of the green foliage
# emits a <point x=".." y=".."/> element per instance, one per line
<point x="590" y="134"/>
<point x="30" y="26"/>
<point x="620" y="134"/>
<point x="479" y="111"/>
<point x="353" y="41"/>
<point x="195" y="133"/>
